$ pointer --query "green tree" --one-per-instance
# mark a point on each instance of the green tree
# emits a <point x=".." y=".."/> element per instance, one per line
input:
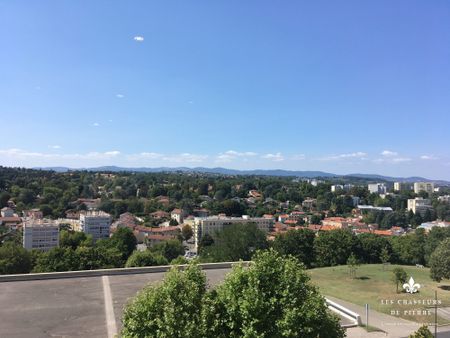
<point x="384" y="256"/>
<point x="334" y="247"/>
<point x="352" y="264"/>
<point x="298" y="243"/>
<point x="170" y="310"/>
<point x="399" y="277"/>
<point x="440" y="261"/>
<point x="186" y="232"/>
<point x="91" y="258"/>
<point x="170" y="249"/>
<point x="74" y="239"/>
<point x="124" y="240"/>
<point x="422" y="332"/>
<point x="14" y="259"/>
<point x="273" y="297"/>
<point x="236" y="241"/>
<point x="145" y="258"/>
<point x="57" y="259"/>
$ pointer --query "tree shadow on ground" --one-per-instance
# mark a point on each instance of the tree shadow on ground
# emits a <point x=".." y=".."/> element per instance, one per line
<point x="362" y="278"/>
<point x="444" y="287"/>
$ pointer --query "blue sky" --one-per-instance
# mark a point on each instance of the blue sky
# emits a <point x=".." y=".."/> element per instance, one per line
<point x="348" y="86"/>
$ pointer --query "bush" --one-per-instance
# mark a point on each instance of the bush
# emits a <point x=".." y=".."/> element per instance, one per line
<point x="145" y="258"/>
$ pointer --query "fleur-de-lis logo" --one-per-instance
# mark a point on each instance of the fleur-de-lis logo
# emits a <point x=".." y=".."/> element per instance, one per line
<point x="411" y="286"/>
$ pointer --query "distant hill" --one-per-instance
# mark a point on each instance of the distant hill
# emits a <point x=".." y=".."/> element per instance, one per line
<point x="255" y="172"/>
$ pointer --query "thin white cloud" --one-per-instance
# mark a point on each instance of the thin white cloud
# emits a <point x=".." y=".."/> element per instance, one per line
<point x="298" y="157"/>
<point x="231" y="155"/>
<point x="357" y="155"/>
<point x="278" y="157"/>
<point x="429" y="157"/>
<point x="138" y="38"/>
<point x="55" y="147"/>
<point x="96" y="124"/>
<point x="112" y="153"/>
<point x="389" y="153"/>
<point x="120" y="96"/>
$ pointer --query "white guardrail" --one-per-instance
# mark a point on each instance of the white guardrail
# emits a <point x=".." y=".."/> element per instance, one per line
<point x="110" y="272"/>
<point x="344" y="312"/>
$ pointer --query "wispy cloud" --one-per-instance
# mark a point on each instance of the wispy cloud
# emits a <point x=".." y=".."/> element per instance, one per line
<point x="298" y="157"/>
<point x="429" y="157"/>
<point x="185" y="158"/>
<point x="96" y="124"/>
<point x="55" y="147"/>
<point x="355" y="155"/>
<point x="120" y="96"/>
<point x="389" y="153"/>
<point x="231" y="155"/>
<point x="138" y="38"/>
<point x="277" y="157"/>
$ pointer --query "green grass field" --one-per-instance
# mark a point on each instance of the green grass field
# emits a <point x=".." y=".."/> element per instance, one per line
<point x="374" y="286"/>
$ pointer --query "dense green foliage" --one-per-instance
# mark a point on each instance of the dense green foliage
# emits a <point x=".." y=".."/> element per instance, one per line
<point x="14" y="259"/>
<point x="298" y="243"/>
<point x="422" y="332"/>
<point x="236" y="241"/>
<point x="440" y="261"/>
<point x="145" y="258"/>
<point x="271" y="298"/>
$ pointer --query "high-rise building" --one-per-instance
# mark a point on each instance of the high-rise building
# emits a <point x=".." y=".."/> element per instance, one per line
<point x="40" y="234"/>
<point x="377" y="188"/>
<point x="95" y="223"/>
<point x="419" y="205"/>
<point x="424" y="186"/>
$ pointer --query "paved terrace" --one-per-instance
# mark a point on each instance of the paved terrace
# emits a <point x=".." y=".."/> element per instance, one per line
<point x="75" y="305"/>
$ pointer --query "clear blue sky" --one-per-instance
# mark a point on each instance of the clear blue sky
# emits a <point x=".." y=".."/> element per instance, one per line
<point x="340" y="86"/>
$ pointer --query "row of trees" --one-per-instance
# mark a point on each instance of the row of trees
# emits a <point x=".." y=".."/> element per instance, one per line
<point x="329" y="248"/>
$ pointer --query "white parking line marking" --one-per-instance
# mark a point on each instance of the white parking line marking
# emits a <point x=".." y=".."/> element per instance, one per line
<point x="109" y="309"/>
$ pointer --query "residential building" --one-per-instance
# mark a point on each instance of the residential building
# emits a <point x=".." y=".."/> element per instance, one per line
<point x="444" y="199"/>
<point x="209" y="225"/>
<point x="95" y="223"/>
<point x="377" y="188"/>
<point x="372" y="208"/>
<point x="7" y="212"/>
<point x="178" y="215"/>
<point x="424" y="186"/>
<point x="309" y="203"/>
<point x="430" y="225"/>
<point x="337" y="187"/>
<point x="33" y="213"/>
<point x="335" y="222"/>
<point x="40" y="234"/>
<point x="419" y="205"/>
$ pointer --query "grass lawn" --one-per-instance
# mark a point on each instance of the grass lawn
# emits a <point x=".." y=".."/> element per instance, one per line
<point x="374" y="286"/>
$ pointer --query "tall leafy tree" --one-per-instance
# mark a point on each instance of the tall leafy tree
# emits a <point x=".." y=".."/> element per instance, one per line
<point x="440" y="261"/>
<point x="298" y="243"/>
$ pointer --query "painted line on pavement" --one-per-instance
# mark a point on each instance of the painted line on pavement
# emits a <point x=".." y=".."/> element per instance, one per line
<point x="109" y="309"/>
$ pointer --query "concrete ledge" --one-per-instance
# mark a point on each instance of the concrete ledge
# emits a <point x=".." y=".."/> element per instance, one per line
<point x="110" y="272"/>
<point x="344" y="312"/>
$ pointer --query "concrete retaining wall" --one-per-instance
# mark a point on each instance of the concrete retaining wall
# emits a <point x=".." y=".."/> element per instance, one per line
<point x="109" y="272"/>
<point x="344" y="312"/>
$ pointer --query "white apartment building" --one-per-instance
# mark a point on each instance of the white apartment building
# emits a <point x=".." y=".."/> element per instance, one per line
<point x="444" y="199"/>
<point x="95" y="223"/>
<point x="40" y="234"/>
<point x="419" y="205"/>
<point x="424" y="186"/>
<point x="209" y="225"/>
<point x="377" y="188"/>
